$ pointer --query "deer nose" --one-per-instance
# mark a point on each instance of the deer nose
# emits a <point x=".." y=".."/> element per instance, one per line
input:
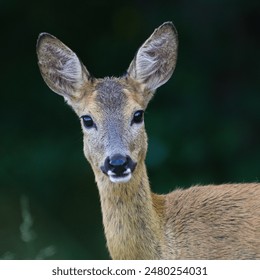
<point x="118" y="160"/>
<point x="118" y="165"/>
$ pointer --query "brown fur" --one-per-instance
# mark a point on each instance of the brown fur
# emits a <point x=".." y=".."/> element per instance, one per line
<point x="214" y="222"/>
<point x="206" y="222"/>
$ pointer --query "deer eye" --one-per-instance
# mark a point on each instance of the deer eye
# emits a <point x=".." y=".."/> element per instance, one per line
<point x="88" y="122"/>
<point x="138" y="117"/>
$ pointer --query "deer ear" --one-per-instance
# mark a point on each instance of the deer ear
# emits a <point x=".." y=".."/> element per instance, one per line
<point x="155" y="60"/>
<point x="60" y="67"/>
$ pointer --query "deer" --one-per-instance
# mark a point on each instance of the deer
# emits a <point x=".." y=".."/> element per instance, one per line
<point x="200" y="222"/>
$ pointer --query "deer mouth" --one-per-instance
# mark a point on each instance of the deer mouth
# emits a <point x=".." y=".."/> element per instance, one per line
<point x="120" y="178"/>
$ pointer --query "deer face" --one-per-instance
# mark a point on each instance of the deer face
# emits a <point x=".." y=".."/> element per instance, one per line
<point x="113" y="127"/>
<point x="111" y="109"/>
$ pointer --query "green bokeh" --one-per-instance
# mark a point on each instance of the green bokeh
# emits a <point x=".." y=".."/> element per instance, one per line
<point x="203" y="125"/>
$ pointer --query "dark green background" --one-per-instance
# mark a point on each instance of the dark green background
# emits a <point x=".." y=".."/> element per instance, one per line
<point x="203" y="125"/>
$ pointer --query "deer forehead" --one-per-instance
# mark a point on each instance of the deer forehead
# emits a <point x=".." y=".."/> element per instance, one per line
<point x="112" y="96"/>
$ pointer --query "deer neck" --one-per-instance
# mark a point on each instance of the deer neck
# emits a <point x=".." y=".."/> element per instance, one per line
<point x="131" y="217"/>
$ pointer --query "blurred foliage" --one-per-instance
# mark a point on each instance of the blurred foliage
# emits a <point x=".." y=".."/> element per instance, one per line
<point x="203" y="125"/>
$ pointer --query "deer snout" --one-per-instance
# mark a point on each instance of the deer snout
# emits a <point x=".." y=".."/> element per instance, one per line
<point x="119" y="168"/>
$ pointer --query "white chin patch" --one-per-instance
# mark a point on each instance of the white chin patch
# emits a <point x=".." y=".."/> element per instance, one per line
<point x="120" y="179"/>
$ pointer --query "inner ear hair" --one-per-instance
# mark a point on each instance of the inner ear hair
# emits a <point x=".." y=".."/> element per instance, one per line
<point x="60" y="66"/>
<point x="155" y="60"/>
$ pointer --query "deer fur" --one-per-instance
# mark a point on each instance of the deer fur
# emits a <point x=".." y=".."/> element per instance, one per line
<point x="202" y="222"/>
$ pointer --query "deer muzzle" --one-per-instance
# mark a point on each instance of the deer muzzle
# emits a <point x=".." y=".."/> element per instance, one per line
<point x="119" y="168"/>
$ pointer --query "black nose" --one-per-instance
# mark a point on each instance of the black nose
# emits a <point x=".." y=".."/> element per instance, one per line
<point x="118" y="164"/>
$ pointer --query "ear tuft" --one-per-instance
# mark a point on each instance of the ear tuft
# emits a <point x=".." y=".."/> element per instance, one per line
<point x="60" y="67"/>
<point x="155" y="60"/>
